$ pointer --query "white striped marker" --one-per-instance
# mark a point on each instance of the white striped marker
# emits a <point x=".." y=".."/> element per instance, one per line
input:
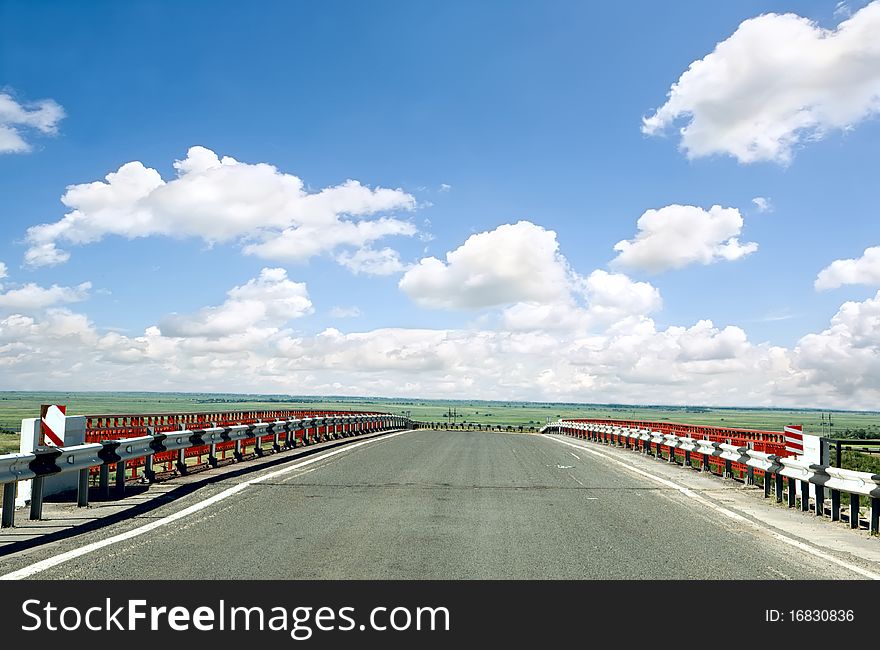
<point x="794" y="439"/>
<point x="53" y="425"/>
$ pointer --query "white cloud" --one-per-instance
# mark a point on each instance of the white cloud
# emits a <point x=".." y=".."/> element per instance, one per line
<point x="636" y="363"/>
<point x="345" y="312"/>
<point x="611" y="301"/>
<point x="842" y="10"/>
<point x="844" y="360"/>
<point x="445" y="187"/>
<point x="3" y="270"/>
<point x="757" y="100"/>
<point x="46" y="254"/>
<point x="514" y="263"/>
<point x="31" y="297"/>
<point x="268" y="301"/>
<point x="677" y="235"/>
<point x="763" y="204"/>
<point x="614" y="297"/>
<point x="864" y="270"/>
<point x="268" y="212"/>
<point x="16" y="120"/>
<point x="371" y="262"/>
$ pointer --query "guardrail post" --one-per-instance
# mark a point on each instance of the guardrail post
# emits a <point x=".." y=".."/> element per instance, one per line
<point x="120" y="477"/>
<point x="104" y="481"/>
<point x="705" y="465"/>
<point x="181" y="461"/>
<point x="37" y="498"/>
<point x="835" y="505"/>
<point x="687" y="459"/>
<point x="8" y="518"/>
<point x="766" y="485"/>
<point x="792" y="492"/>
<point x="750" y="477"/>
<point x="212" y="455"/>
<point x="777" y="484"/>
<point x="805" y="496"/>
<point x="276" y="442"/>
<point x="820" y="500"/>
<point x="149" y="471"/>
<point x="728" y="468"/>
<point x="875" y="514"/>
<point x="82" y="490"/>
<point x="853" y="510"/>
<point x="236" y="452"/>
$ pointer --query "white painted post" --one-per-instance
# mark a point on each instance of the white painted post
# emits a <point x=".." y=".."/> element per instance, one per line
<point x="73" y="432"/>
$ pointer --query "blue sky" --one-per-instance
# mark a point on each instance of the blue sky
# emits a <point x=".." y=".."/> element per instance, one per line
<point x="480" y="114"/>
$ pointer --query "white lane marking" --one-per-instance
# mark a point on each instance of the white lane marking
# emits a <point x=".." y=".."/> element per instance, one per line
<point x="728" y="513"/>
<point x="48" y="563"/>
<point x="575" y="455"/>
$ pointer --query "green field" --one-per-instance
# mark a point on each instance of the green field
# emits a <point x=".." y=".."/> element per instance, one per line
<point x="19" y="404"/>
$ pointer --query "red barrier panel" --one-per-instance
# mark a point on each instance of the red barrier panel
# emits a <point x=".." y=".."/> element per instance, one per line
<point x="115" y="427"/>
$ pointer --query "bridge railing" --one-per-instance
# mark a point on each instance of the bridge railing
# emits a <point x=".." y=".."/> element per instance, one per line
<point x="143" y="450"/>
<point x="784" y="473"/>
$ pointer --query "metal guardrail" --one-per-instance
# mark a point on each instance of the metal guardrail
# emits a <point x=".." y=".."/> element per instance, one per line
<point x="779" y="470"/>
<point x="863" y="445"/>
<point x="49" y="461"/>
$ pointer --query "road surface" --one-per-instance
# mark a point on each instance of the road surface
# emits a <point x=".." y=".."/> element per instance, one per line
<point x="444" y="505"/>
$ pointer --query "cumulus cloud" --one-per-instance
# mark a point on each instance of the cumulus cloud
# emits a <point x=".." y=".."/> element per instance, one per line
<point x="17" y="120"/>
<point x="514" y="263"/>
<point x="600" y="301"/>
<point x="3" y="270"/>
<point x="756" y="100"/>
<point x="678" y="235"/>
<point x="844" y="360"/>
<point x="270" y="213"/>
<point x="30" y="296"/>
<point x="371" y="262"/>
<point x="863" y="270"/>
<point x="268" y="301"/>
<point x="637" y="363"/>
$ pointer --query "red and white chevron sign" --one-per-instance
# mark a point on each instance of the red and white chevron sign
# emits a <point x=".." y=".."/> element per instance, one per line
<point x="794" y="439"/>
<point x="52" y="424"/>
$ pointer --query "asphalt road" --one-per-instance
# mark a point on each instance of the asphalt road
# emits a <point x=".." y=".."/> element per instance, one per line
<point x="446" y="505"/>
